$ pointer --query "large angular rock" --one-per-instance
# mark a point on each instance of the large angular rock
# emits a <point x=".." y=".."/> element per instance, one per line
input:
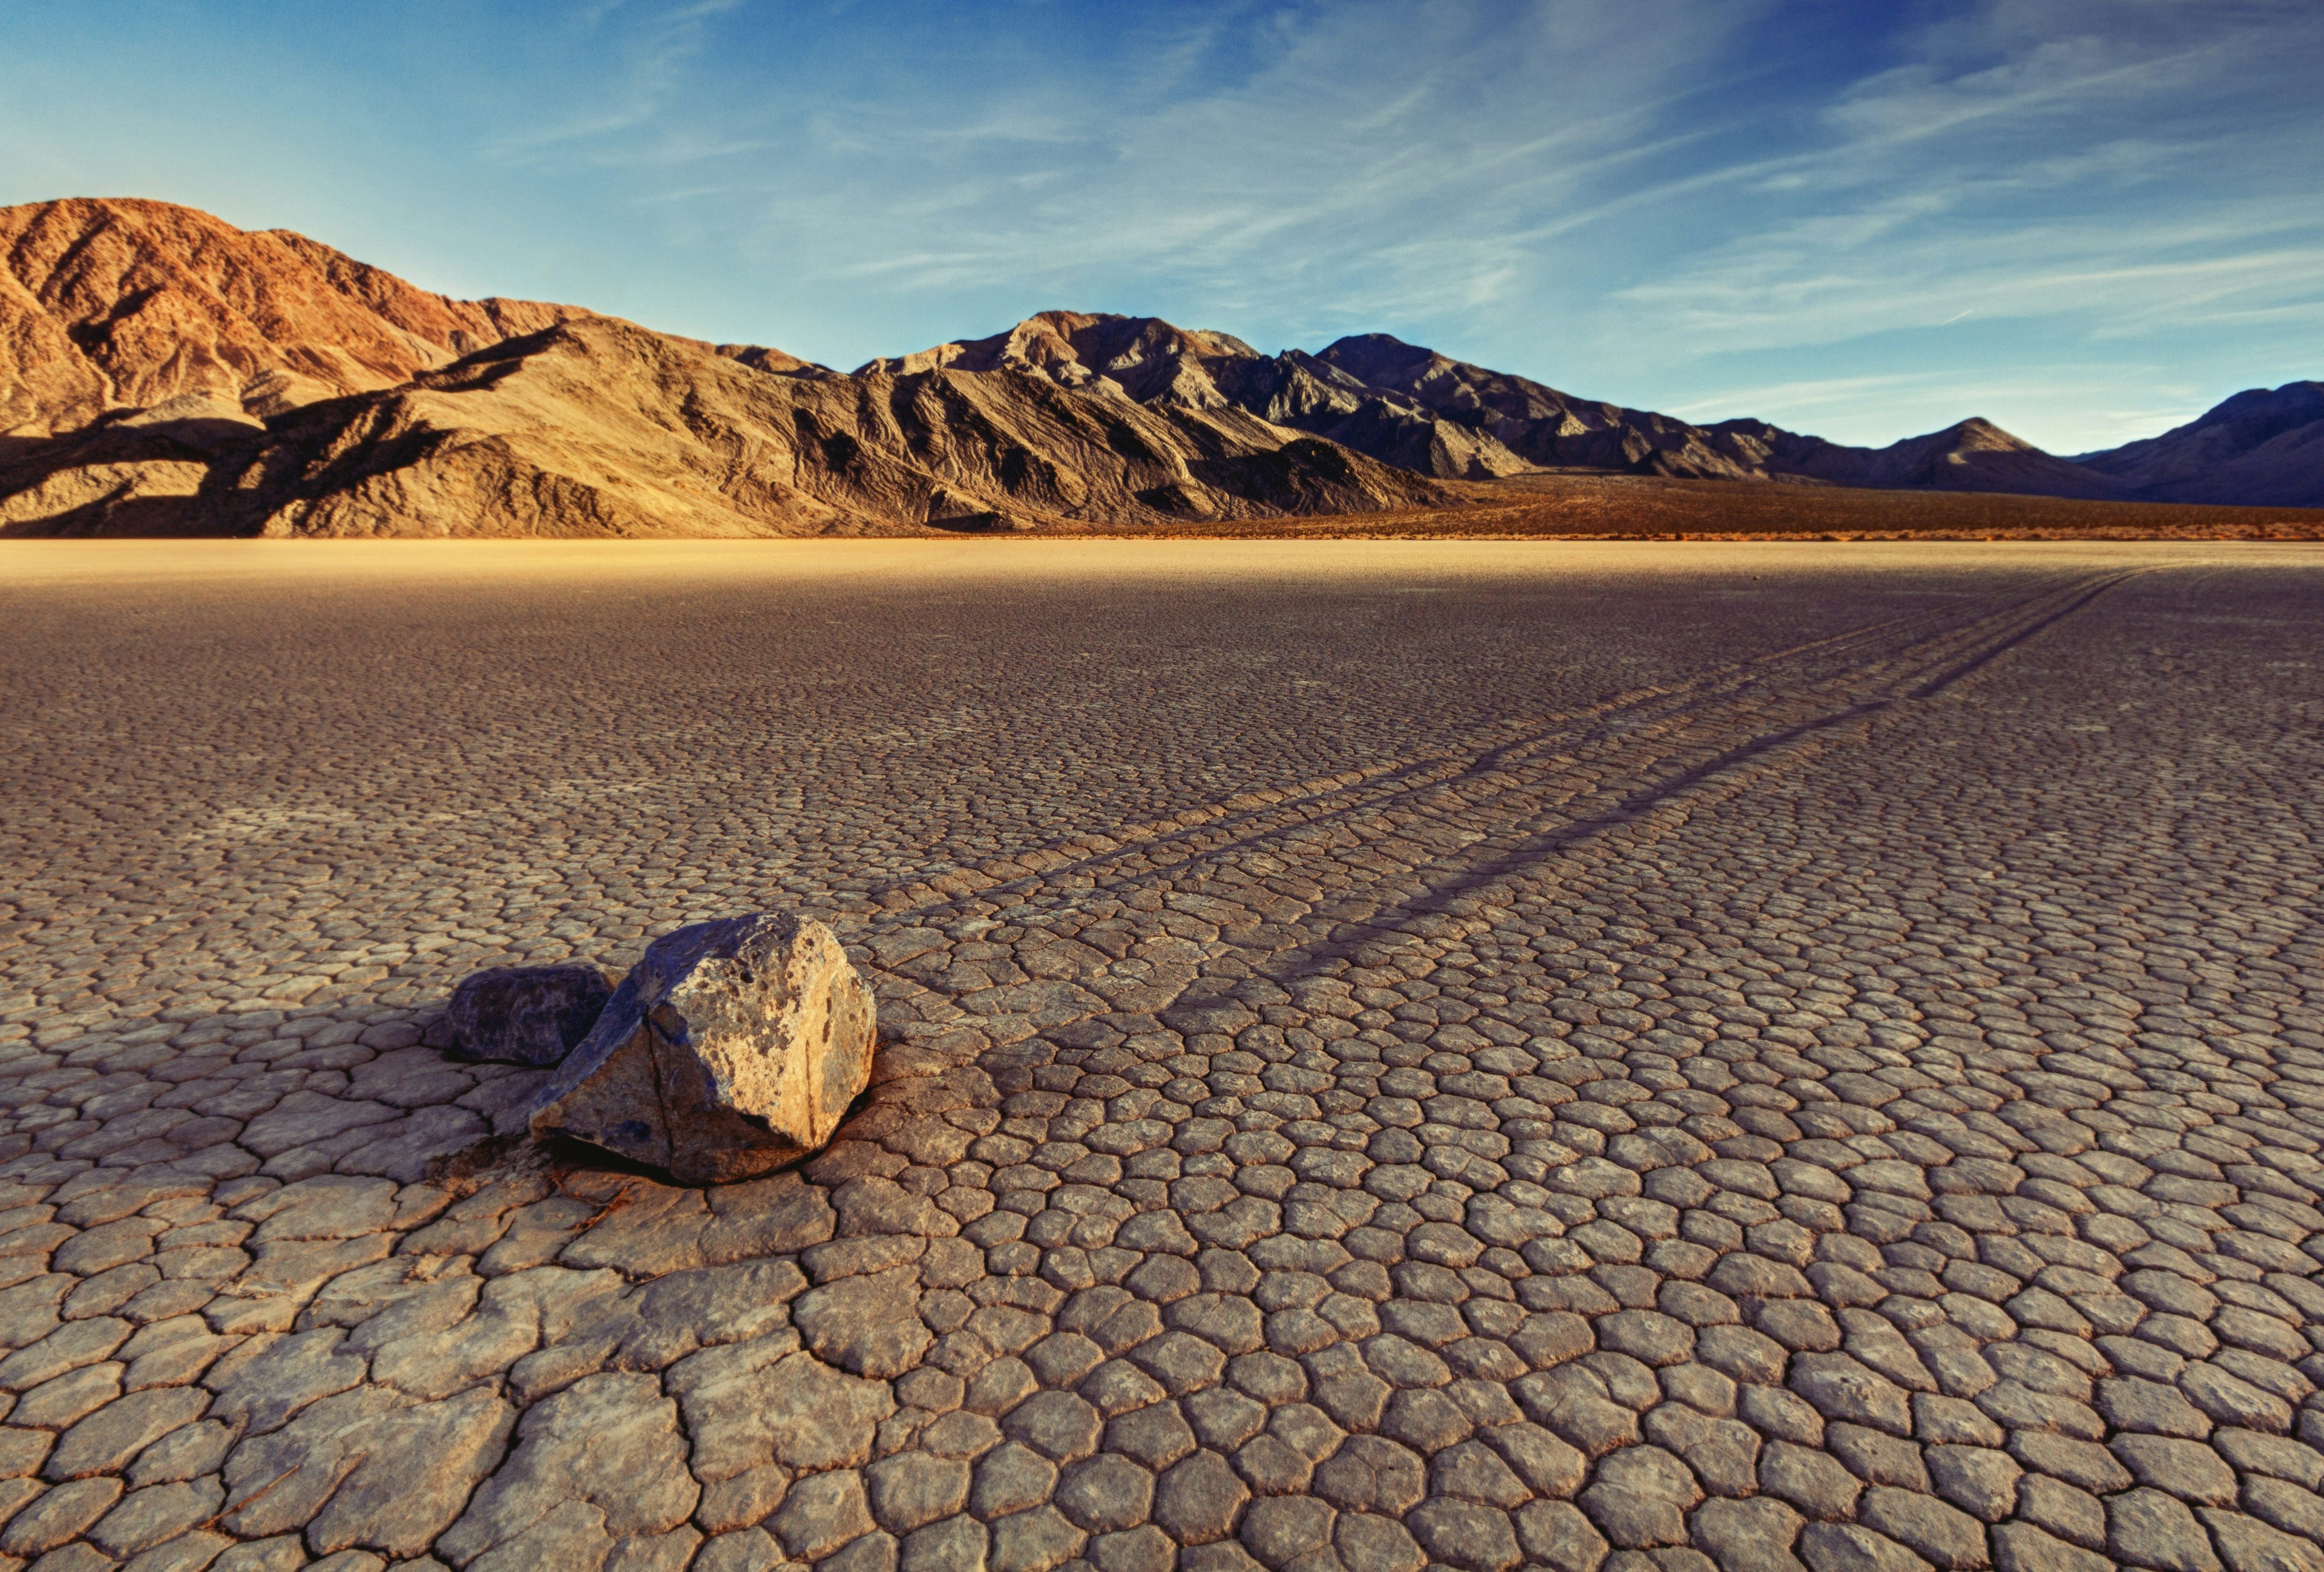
<point x="528" y="1015"/>
<point x="733" y="1047"/>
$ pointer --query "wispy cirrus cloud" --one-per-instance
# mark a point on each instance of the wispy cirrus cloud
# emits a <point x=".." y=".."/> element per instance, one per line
<point x="2064" y="214"/>
<point x="642" y="56"/>
<point x="1617" y="201"/>
<point x="1351" y="158"/>
<point x="2102" y="180"/>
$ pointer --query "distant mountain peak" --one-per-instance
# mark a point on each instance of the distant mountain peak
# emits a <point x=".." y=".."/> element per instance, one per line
<point x="1140" y="358"/>
<point x="2263" y="445"/>
<point x="1354" y="344"/>
<point x="1980" y="432"/>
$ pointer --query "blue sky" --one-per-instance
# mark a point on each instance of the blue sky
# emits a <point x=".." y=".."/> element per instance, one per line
<point x="2086" y="219"/>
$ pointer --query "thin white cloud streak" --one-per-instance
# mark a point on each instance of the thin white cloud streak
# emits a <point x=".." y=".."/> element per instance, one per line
<point x="652" y="62"/>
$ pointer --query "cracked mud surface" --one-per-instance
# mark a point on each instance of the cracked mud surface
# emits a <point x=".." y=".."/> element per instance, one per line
<point x="1490" y="1056"/>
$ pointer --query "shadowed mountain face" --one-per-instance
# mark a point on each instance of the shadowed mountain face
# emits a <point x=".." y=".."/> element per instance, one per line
<point x="1972" y="456"/>
<point x="600" y="427"/>
<point x="162" y="371"/>
<point x="1557" y="430"/>
<point x="1149" y="361"/>
<point x="1544" y="426"/>
<point x="1424" y="411"/>
<point x="2259" y="446"/>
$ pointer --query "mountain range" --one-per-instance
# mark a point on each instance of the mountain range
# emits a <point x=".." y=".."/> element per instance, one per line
<point x="164" y="372"/>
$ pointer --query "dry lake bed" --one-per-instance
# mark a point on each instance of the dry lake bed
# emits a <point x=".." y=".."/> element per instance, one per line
<point x="1489" y="1055"/>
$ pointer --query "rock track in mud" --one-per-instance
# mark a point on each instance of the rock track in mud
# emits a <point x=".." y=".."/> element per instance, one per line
<point x="1744" y="1070"/>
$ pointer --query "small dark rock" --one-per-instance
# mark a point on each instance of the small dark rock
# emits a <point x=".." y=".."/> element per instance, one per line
<point x="526" y="1014"/>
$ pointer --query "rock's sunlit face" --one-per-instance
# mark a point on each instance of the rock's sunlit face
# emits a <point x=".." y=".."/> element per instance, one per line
<point x="1439" y="1052"/>
<point x="741" y="1042"/>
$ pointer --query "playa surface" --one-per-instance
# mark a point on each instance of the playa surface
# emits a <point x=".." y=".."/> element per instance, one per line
<point x="1392" y="1054"/>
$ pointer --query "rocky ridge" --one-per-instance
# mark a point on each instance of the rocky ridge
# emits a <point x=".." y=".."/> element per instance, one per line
<point x="163" y="372"/>
<point x="111" y="303"/>
<point x="1424" y="412"/>
<point x="107" y="304"/>
<point x="599" y="428"/>
<point x="1149" y="361"/>
<point x="172" y="375"/>
<point x="1549" y="429"/>
<point x="2257" y="446"/>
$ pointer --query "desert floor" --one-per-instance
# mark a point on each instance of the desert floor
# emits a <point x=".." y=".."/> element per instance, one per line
<point x="1550" y="1054"/>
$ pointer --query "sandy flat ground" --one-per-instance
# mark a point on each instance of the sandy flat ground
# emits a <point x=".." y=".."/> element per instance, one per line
<point x="30" y="562"/>
<point x="1394" y="1053"/>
